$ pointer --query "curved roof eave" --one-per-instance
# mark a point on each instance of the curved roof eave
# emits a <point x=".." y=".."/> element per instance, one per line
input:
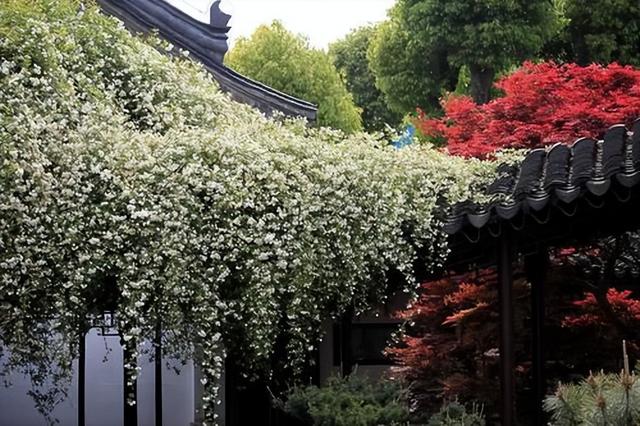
<point x="207" y="43"/>
<point x="559" y="175"/>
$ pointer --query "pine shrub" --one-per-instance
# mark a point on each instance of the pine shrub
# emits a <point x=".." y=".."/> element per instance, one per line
<point x="352" y="401"/>
<point x="600" y="399"/>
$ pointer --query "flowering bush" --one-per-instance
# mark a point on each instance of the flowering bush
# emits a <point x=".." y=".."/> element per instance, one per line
<point x="128" y="180"/>
<point x="542" y="104"/>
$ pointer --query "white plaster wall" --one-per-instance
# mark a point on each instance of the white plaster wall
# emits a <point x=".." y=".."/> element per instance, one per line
<point x="104" y="392"/>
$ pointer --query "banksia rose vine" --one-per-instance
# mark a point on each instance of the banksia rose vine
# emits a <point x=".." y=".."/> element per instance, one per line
<point x="125" y="170"/>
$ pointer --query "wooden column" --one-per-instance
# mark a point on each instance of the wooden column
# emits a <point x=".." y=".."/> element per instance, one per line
<point x="82" y="376"/>
<point x="507" y="352"/>
<point x="130" y="411"/>
<point x="346" y="361"/>
<point x="158" y="373"/>
<point x="536" y="266"/>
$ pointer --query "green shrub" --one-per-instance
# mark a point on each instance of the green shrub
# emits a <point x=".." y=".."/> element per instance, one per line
<point x="457" y="414"/>
<point x="353" y="401"/>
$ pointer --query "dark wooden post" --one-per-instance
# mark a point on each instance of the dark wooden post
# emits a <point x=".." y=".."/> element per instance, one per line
<point x="346" y="361"/>
<point x="231" y="391"/>
<point x="536" y="266"/>
<point x="158" y="373"/>
<point x="507" y="352"/>
<point x="82" y="374"/>
<point x="130" y="411"/>
<point x="199" y="389"/>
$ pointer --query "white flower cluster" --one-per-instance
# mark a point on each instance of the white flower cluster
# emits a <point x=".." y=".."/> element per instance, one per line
<point x="129" y="180"/>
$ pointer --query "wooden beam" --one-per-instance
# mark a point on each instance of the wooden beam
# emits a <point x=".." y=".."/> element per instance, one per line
<point x="507" y="352"/>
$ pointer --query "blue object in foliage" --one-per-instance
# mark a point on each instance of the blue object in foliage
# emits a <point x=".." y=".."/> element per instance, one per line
<point x="406" y="139"/>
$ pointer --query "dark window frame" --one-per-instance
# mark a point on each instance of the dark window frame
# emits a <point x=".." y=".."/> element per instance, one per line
<point x="363" y="327"/>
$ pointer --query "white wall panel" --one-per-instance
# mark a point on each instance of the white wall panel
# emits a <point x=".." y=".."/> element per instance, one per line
<point x="104" y="401"/>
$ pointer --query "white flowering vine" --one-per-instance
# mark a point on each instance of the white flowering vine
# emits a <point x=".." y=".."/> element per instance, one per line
<point x="128" y="179"/>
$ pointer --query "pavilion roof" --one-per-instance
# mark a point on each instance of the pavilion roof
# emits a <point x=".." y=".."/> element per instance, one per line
<point x="558" y="193"/>
<point x="206" y="43"/>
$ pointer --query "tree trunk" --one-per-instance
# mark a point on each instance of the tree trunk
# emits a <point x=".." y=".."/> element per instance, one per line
<point x="481" y="81"/>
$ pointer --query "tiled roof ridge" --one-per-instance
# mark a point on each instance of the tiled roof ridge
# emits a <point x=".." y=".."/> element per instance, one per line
<point x="559" y="174"/>
<point x="207" y="43"/>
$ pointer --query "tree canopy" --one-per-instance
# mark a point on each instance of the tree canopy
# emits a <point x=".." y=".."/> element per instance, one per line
<point x="420" y="50"/>
<point x="350" y="57"/>
<point x="408" y="70"/>
<point x="280" y="59"/>
<point x="597" y="31"/>
<point x="542" y="104"/>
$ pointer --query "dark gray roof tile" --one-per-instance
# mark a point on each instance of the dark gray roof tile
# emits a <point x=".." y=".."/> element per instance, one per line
<point x="557" y="177"/>
<point x="206" y="43"/>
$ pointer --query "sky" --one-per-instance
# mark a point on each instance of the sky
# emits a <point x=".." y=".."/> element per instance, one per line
<point x="322" y="21"/>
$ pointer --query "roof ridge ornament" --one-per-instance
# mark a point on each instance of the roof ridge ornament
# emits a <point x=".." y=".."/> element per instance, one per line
<point x="200" y="27"/>
<point x="205" y="11"/>
<point x="219" y="19"/>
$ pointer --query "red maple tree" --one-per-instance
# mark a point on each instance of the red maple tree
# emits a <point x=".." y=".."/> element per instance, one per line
<point x="450" y="347"/>
<point x="542" y="104"/>
<point x="590" y="314"/>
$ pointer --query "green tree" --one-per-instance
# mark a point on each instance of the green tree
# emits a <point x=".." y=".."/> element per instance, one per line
<point x="430" y="40"/>
<point x="600" y="31"/>
<point x="350" y="57"/>
<point x="278" y="58"/>
<point x="410" y="72"/>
